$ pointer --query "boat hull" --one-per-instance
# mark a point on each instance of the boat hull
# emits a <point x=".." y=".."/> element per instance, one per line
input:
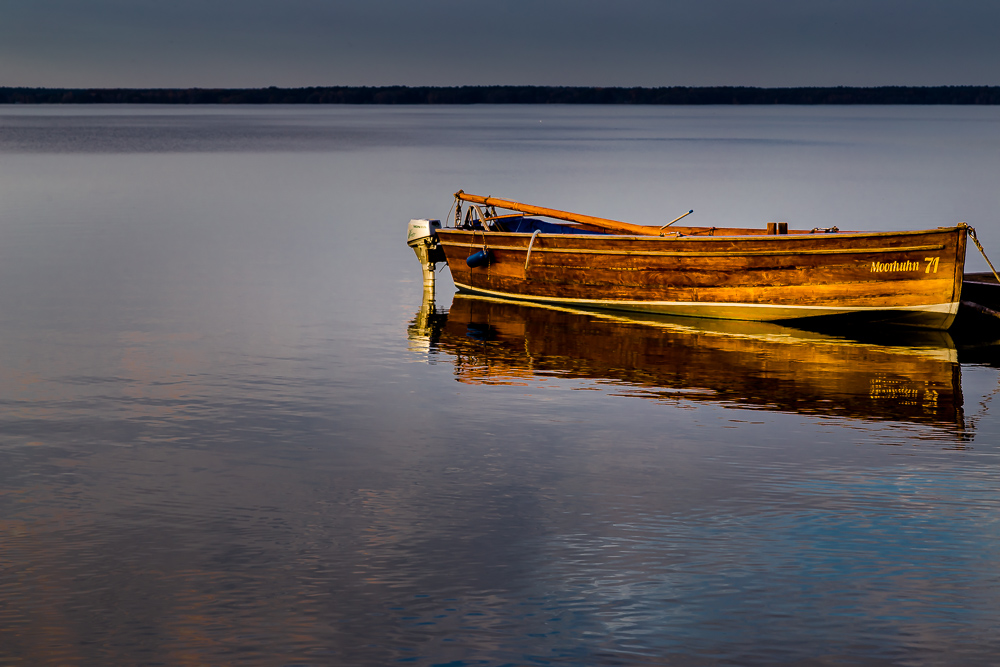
<point x="911" y="278"/>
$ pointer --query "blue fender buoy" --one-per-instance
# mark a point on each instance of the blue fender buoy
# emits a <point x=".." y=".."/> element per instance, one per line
<point x="481" y="258"/>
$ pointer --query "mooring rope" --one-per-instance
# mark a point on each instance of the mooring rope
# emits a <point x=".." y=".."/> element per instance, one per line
<point x="972" y="233"/>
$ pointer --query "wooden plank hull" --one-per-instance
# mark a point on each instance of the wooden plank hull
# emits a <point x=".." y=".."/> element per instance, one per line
<point x="912" y="278"/>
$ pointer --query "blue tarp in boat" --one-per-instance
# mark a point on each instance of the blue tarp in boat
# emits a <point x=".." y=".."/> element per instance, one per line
<point x="522" y="225"/>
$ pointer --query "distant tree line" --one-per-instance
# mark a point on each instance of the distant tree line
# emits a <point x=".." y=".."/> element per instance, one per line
<point x="506" y="95"/>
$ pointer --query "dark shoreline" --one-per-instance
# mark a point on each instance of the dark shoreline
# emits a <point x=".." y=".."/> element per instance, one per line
<point x="677" y="95"/>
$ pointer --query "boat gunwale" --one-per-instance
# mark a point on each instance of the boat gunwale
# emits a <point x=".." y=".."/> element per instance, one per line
<point x="696" y="253"/>
<point x="694" y="237"/>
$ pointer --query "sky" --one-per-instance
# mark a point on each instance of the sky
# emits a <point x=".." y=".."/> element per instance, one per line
<point x="295" y="43"/>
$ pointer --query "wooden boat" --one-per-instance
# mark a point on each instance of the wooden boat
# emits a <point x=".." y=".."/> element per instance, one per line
<point x="770" y="273"/>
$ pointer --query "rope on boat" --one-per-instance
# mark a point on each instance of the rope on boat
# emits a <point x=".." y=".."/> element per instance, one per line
<point x="449" y="212"/>
<point x="530" y="243"/>
<point x="972" y="233"/>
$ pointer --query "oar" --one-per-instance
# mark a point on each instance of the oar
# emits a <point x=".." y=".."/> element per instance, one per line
<point x="602" y="223"/>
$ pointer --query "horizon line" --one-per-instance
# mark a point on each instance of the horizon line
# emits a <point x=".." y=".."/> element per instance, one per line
<point x="515" y="94"/>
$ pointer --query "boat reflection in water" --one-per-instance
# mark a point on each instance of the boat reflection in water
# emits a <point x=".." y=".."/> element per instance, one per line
<point x="906" y="376"/>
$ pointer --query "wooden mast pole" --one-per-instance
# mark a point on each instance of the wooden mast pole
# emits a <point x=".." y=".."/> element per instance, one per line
<point x="603" y="223"/>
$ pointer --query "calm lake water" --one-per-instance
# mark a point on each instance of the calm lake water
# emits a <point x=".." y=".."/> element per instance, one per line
<point x="232" y="430"/>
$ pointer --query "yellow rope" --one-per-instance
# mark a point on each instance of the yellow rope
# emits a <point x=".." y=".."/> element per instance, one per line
<point x="972" y="233"/>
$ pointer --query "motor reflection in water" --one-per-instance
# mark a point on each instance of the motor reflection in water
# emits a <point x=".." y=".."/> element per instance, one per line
<point x="896" y="375"/>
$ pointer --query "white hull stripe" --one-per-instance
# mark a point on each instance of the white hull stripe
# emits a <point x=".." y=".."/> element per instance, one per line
<point x="806" y="311"/>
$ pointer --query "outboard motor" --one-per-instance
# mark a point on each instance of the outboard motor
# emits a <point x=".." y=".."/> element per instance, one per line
<point x="421" y="235"/>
